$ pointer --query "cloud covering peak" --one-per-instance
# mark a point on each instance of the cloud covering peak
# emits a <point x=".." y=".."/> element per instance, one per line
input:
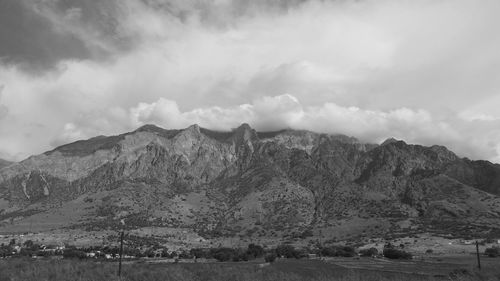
<point x="423" y="71"/>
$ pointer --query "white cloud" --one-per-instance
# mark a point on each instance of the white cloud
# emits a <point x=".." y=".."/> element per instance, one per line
<point x="285" y="111"/>
<point x="423" y="71"/>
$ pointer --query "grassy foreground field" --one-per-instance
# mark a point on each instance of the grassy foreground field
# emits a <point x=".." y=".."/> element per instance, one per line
<point x="289" y="270"/>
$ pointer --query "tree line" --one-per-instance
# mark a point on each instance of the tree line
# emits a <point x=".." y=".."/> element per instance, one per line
<point x="223" y="254"/>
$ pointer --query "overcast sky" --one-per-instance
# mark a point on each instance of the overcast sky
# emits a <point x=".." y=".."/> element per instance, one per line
<point x="425" y="71"/>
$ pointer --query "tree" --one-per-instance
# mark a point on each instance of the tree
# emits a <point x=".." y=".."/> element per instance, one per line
<point x="74" y="253"/>
<point x="27" y="252"/>
<point x="271" y="257"/>
<point x="372" y="252"/>
<point x="28" y="244"/>
<point x="346" y="251"/>
<point x="222" y="254"/>
<point x="329" y="251"/>
<point x="492" y="252"/>
<point x="255" y="251"/>
<point x="5" y="251"/>
<point x="241" y="256"/>
<point x="150" y="253"/>
<point x="338" y="251"/>
<point x="164" y="254"/>
<point x="185" y="255"/>
<point x="199" y="253"/>
<point x="286" y="251"/>
<point x="392" y="253"/>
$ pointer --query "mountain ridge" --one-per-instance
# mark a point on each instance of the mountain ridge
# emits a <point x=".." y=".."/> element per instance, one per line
<point x="251" y="184"/>
<point x="5" y="163"/>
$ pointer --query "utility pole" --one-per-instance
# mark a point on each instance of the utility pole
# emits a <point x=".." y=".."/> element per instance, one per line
<point x="477" y="253"/>
<point x="121" y="253"/>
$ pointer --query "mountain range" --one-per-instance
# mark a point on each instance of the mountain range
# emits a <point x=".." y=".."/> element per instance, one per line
<point x="244" y="183"/>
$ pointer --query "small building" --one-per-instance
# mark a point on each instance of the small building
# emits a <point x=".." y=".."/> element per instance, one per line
<point x="17" y="249"/>
<point x="90" y="255"/>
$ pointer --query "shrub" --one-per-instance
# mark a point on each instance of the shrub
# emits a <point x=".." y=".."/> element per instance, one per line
<point x="329" y="251"/>
<point x="255" y="251"/>
<point x="43" y="253"/>
<point x="149" y="253"/>
<point x="338" y="251"/>
<point x="111" y="250"/>
<point x="241" y="256"/>
<point x="271" y="257"/>
<point x="346" y="251"/>
<point x="392" y="253"/>
<point x="200" y="253"/>
<point x="489" y="240"/>
<point x="222" y="254"/>
<point x="492" y="252"/>
<point x="28" y="244"/>
<point x="185" y="255"/>
<point x="286" y="251"/>
<point x="74" y="253"/>
<point x="5" y="251"/>
<point x="26" y="252"/>
<point x="303" y="253"/>
<point x="372" y="252"/>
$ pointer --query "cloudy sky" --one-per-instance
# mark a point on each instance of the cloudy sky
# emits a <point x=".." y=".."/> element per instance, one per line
<point x="426" y="71"/>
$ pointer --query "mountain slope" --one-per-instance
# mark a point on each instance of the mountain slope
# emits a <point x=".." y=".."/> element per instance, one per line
<point x="4" y="163"/>
<point x="250" y="184"/>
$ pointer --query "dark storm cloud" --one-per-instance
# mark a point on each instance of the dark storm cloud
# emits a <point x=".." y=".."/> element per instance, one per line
<point x="39" y="34"/>
<point x="30" y="39"/>
<point x="221" y="12"/>
<point x="98" y="23"/>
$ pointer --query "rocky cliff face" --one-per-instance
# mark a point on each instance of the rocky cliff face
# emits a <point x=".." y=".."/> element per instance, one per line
<point x="251" y="183"/>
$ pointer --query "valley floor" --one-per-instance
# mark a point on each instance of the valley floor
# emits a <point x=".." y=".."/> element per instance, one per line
<point x="461" y="268"/>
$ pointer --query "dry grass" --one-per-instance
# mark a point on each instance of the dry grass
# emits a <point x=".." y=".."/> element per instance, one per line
<point x="75" y="270"/>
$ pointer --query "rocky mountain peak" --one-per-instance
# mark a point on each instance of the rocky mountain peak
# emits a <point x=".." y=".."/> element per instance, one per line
<point x="444" y="153"/>
<point x="243" y="134"/>
<point x="193" y="128"/>
<point x="190" y="134"/>
<point x="389" y="141"/>
<point x="149" y="128"/>
<point x="244" y="126"/>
